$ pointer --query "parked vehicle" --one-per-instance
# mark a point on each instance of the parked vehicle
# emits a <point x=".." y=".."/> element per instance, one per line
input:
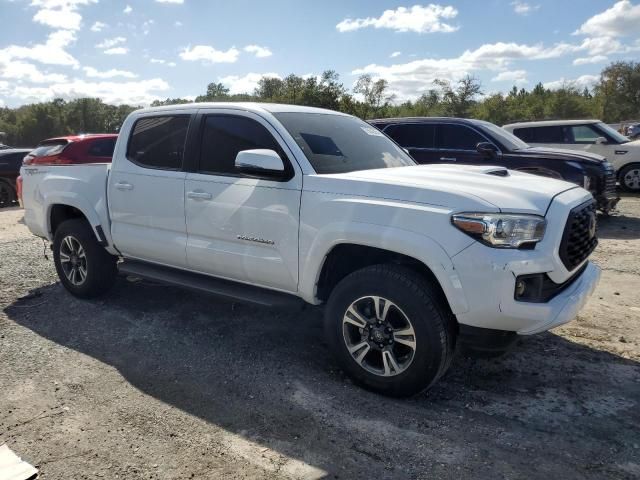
<point x="633" y="131"/>
<point x="476" y="142"/>
<point x="10" y="163"/>
<point x="276" y="203"/>
<point x="590" y="136"/>
<point x="93" y="148"/>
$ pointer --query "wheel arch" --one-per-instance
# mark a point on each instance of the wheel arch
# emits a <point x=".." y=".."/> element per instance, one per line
<point x="327" y="263"/>
<point x="67" y="207"/>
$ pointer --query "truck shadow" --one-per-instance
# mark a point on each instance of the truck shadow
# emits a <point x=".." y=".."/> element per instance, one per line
<point x="618" y="227"/>
<point x="267" y="376"/>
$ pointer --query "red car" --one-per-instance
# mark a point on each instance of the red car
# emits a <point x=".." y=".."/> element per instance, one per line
<point x="94" y="148"/>
<point x="74" y="149"/>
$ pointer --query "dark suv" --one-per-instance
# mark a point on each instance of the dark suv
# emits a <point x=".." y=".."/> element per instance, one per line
<point x="465" y="141"/>
<point x="10" y="163"/>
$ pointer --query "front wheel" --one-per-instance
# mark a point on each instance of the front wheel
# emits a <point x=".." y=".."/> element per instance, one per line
<point x="389" y="330"/>
<point x="7" y="194"/>
<point x="85" y="268"/>
<point x="630" y="178"/>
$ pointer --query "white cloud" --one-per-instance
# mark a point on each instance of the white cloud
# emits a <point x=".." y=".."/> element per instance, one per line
<point x="395" y="54"/>
<point x="622" y="19"/>
<point x="52" y="52"/>
<point x="209" y="54"/>
<point x="116" y="51"/>
<point x="259" y="51"/>
<point x="111" y="42"/>
<point x="60" y="13"/>
<point x="127" y="10"/>
<point x="410" y="80"/>
<point x="419" y="19"/>
<point x="246" y="83"/>
<point x="515" y="76"/>
<point x="580" y="82"/>
<point x="139" y="92"/>
<point x="94" y="73"/>
<point x="523" y="8"/>
<point x="98" y="26"/>
<point x="17" y="70"/>
<point x="176" y="2"/>
<point x="178" y="23"/>
<point x="590" y="60"/>
<point x="161" y="61"/>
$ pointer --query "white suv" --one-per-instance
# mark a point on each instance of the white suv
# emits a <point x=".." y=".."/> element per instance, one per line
<point x="590" y="135"/>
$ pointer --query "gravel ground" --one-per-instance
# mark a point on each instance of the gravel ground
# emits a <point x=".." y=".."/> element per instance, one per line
<point x="157" y="383"/>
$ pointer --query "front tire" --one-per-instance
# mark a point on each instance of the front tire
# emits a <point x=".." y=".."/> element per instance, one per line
<point x="630" y="178"/>
<point x="8" y="194"/>
<point x="84" y="267"/>
<point x="389" y="330"/>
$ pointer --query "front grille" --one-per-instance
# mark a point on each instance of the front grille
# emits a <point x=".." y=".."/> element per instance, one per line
<point x="579" y="238"/>
<point x="610" y="190"/>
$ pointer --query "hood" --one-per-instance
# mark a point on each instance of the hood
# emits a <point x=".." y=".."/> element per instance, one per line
<point x="457" y="187"/>
<point x="562" y="154"/>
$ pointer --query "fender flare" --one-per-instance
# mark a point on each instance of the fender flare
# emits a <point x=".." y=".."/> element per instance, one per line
<point x="420" y="247"/>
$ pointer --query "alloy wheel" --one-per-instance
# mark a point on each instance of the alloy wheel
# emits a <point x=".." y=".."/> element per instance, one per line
<point x="73" y="260"/>
<point x="632" y="179"/>
<point x="379" y="336"/>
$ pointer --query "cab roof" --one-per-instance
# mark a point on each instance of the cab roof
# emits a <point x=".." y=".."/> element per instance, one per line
<point x="552" y="123"/>
<point x="256" y="107"/>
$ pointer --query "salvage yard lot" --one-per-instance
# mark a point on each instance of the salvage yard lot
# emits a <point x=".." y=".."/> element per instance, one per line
<point x="156" y="382"/>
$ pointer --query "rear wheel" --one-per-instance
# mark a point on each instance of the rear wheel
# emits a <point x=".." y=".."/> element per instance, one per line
<point x="8" y="194"/>
<point x="630" y="178"/>
<point x="389" y="330"/>
<point x="84" y="267"/>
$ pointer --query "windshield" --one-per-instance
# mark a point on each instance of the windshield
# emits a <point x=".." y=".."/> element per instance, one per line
<point x="618" y="137"/>
<point x="339" y="144"/>
<point x="507" y="139"/>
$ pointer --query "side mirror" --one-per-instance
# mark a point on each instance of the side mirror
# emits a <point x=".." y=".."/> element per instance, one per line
<point x="260" y="162"/>
<point x="601" y="141"/>
<point x="487" y="149"/>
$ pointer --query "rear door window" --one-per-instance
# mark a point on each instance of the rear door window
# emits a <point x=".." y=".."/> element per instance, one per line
<point x="158" y="142"/>
<point x="549" y="134"/>
<point x="458" y="137"/>
<point x="415" y="135"/>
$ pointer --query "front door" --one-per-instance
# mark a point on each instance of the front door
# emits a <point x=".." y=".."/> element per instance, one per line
<point x="146" y="192"/>
<point x="457" y="144"/>
<point x="240" y="227"/>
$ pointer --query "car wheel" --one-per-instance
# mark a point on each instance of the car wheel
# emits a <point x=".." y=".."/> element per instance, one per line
<point x="84" y="267"/>
<point x="630" y="178"/>
<point x="389" y="330"/>
<point x="8" y="194"/>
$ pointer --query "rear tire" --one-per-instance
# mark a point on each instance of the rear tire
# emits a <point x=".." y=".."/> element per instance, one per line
<point x="629" y="178"/>
<point x="84" y="267"/>
<point x="389" y="330"/>
<point x="8" y="195"/>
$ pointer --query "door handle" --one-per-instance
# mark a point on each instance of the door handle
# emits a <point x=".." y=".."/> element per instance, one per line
<point x="447" y="159"/>
<point x="199" y="195"/>
<point x="124" y="186"/>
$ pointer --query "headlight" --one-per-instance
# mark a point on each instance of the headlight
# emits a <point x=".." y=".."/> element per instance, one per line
<point x="502" y="230"/>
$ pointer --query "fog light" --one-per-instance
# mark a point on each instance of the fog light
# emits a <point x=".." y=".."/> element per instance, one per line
<point x="520" y="288"/>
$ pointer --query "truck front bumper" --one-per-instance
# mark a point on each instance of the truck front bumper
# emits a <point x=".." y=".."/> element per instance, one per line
<point x="488" y="280"/>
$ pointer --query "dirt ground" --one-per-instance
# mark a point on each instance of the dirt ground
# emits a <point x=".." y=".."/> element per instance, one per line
<point x="157" y="383"/>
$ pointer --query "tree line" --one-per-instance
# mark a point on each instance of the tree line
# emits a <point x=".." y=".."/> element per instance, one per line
<point x="615" y="97"/>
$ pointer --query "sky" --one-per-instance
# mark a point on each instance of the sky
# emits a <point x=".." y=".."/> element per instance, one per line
<point x="137" y="51"/>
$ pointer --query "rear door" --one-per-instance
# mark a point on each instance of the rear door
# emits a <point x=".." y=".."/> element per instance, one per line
<point x="241" y="227"/>
<point x="417" y="138"/>
<point x="146" y="191"/>
<point x="457" y="144"/>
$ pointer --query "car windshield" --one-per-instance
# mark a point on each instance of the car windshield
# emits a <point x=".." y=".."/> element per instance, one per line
<point x="507" y="139"/>
<point x="612" y="132"/>
<point x="339" y="143"/>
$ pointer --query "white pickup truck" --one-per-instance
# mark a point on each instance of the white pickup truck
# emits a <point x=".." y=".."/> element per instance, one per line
<point x="269" y="203"/>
